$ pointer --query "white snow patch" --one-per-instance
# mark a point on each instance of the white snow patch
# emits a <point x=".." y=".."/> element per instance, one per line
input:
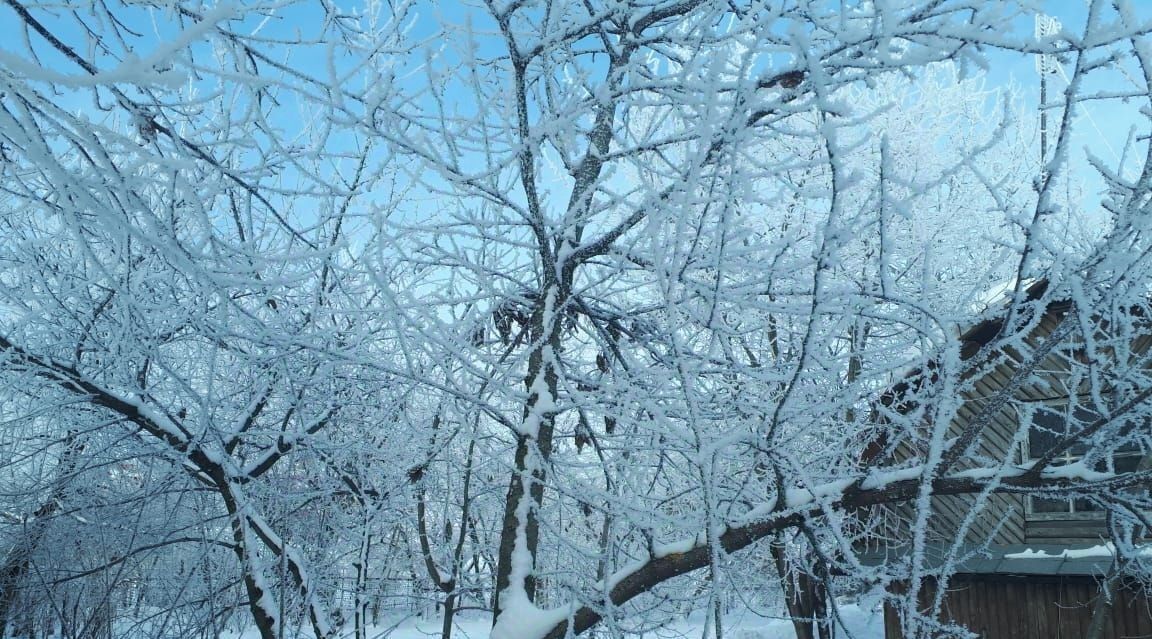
<point x="990" y="472"/>
<point x="1101" y="550"/>
<point x="880" y="480"/>
<point x="1076" y="470"/>
<point x="863" y="620"/>
<point x="620" y="575"/>
<point x="678" y="547"/>
<point x="998" y="295"/>
<point x="523" y="620"/>
<point x="794" y="497"/>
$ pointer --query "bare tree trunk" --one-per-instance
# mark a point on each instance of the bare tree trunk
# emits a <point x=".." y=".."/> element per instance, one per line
<point x="818" y="595"/>
<point x="1102" y="610"/>
<point x="509" y="531"/>
<point x="258" y="598"/>
<point x="449" y="615"/>
<point x="717" y="610"/>
<point x="462" y="535"/>
<point x="799" y="608"/>
<point x="447" y="584"/>
<point x="533" y="448"/>
<point x="806" y="597"/>
<point x="359" y="621"/>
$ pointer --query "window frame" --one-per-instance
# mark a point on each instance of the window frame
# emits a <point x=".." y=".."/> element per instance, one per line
<point x="1060" y="407"/>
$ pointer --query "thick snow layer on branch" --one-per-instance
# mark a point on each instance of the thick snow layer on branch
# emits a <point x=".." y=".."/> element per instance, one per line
<point x="266" y="602"/>
<point x="519" y="617"/>
<point x="659" y="551"/>
<point x="986" y="473"/>
<point x="880" y="480"/>
<point x="678" y="547"/>
<point x="795" y="497"/>
<point x="541" y="400"/>
<point x="154" y="416"/>
<point x="1076" y="470"/>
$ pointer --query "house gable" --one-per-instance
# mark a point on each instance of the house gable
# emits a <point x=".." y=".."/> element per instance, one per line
<point x="1062" y="384"/>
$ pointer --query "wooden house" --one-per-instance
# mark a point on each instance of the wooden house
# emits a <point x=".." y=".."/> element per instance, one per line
<point x="1030" y="565"/>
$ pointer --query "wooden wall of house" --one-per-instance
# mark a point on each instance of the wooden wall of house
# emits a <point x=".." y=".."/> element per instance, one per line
<point x="1061" y="531"/>
<point x="1003" y="519"/>
<point x="1033" y="607"/>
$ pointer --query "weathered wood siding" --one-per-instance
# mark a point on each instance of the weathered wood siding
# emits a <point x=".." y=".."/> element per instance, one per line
<point x="1033" y="607"/>
<point x="1003" y="518"/>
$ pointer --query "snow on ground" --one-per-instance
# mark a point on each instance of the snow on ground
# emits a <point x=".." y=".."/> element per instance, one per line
<point x="861" y="621"/>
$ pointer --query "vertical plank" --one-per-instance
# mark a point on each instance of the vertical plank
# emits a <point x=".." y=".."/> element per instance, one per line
<point x="1061" y="609"/>
<point x="1007" y="613"/>
<point x="1085" y="595"/>
<point x="1121" y="613"/>
<point x="995" y="613"/>
<point x="982" y="616"/>
<point x="1018" y="604"/>
<point x="891" y="622"/>
<point x="1039" y="607"/>
<point x="1017" y="595"/>
<point x="956" y="604"/>
<point x="1142" y="611"/>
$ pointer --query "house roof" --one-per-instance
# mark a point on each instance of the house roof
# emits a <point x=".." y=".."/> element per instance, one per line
<point x="1016" y="559"/>
<point x="975" y="337"/>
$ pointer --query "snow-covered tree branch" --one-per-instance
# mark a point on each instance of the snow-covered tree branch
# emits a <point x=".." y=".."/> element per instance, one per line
<point x="580" y="314"/>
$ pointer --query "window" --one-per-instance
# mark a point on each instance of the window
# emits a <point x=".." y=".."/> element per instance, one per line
<point x="1050" y="424"/>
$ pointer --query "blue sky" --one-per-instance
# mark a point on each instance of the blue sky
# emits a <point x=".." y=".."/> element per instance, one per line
<point x="1103" y="126"/>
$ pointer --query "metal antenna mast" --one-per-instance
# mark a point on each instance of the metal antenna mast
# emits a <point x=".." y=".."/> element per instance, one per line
<point x="1046" y="64"/>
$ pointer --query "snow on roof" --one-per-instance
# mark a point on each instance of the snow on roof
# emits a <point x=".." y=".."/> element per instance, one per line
<point x="998" y="295"/>
<point x="1101" y="550"/>
<point x="1017" y="559"/>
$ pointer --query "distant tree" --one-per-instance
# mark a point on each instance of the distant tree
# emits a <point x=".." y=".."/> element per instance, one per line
<point x="172" y="288"/>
